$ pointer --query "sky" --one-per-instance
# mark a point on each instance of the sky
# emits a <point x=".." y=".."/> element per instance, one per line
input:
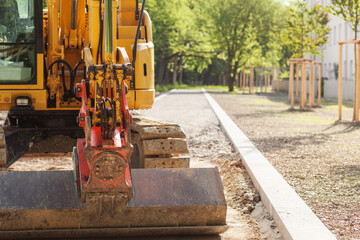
<point x="286" y="2"/>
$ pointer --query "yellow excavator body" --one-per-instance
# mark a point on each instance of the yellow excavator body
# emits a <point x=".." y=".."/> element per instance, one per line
<point x="141" y="95"/>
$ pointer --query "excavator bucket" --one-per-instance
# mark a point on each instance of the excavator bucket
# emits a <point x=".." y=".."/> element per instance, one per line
<point x="165" y="202"/>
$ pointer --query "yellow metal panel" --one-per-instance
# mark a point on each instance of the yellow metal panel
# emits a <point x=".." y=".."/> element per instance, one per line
<point x="5" y="97"/>
<point x="129" y="32"/>
<point x="144" y="66"/>
<point x="144" y="99"/>
<point x="131" y="99"/>
<point x="148" y="25"/>
<point x="38" y="98"/>
<point x="40" y="71"/>
<point x="128" y="5"/>
<point x="126" y="18"/>
<point x="40" y="77"/>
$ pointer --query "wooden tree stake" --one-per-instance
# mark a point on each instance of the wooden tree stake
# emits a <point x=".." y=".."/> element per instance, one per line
<point x="340" y="83"/>
<point x="319" y="90"/>
<point x="303" y="85"/>
<point x="314" y="82"/>
<point x="356" y="100"/>
<point x="310" y="86"/>
<point x="297" y="80"/>
<point x="291" y="84"/>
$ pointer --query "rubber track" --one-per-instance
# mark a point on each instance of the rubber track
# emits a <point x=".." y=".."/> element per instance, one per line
<point x="163" y="144"/>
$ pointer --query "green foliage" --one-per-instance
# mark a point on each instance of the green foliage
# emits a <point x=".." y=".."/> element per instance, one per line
<point x="306" y="29"/>
<point x="319" y="29"/>
<point x="202" y="39"/>
<point x="241" y="31"/>
<point x="347" y="10"/>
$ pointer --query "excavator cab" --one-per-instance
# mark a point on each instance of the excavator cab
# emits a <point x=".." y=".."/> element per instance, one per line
<point x="77" y="70"/>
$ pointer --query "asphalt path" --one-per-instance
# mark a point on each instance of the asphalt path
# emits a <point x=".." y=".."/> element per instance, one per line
<point x="190" y="109"/>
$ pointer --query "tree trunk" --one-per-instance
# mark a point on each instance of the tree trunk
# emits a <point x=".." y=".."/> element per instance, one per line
<point x="234" y="71"/>
<point x="230" y="81"/>
<point x="174" y="74"/>
<point x="162" y="71"/>
<point x="158" y="78"/>
<point x="166" y="76"/>
<point x="181" y="70"/>
<point x="261" y="79"/>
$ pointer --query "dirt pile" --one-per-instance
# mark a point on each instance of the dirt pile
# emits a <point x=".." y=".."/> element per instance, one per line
<point x="54" y="144"/>
<point x="241" y="195"/>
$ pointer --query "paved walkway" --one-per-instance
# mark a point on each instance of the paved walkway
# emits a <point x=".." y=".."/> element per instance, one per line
<point x="190" y="109"/>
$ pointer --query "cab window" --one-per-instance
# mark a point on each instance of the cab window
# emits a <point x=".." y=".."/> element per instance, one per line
<point x="17" y="41"/>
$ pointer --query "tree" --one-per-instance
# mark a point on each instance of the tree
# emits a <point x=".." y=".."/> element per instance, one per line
<point x="227" y="29"/>
<point x="319" y="30"/>
<point x="180" y="40"/>
<point x="200" y="39"/>
<point x="347" y="10"/>
<point x="238" y="29"/>
<point x="306" y="29"/>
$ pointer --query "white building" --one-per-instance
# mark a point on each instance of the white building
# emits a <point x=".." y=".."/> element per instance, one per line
<point x="340" y="31"/>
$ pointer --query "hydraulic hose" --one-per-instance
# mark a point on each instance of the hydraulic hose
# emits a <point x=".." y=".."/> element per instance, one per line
<point x="138" y="32"/>
<point x="68" y="93"/>
<point x="99" y="50"/>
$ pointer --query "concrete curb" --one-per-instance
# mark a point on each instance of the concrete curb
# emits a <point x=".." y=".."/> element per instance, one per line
<point x="163" y="95"/>
<point x="294" y="218"/>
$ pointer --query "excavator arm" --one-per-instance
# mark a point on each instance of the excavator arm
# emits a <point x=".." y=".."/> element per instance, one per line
<point x="106" y="149"/>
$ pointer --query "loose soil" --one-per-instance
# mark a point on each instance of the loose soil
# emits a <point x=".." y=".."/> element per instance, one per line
<point x="209" y="148"/>
<point x="43" y="162"/>
<point x="54" y="144"/>
<point x="318" y="157"/>
<point x="51" y="154"/>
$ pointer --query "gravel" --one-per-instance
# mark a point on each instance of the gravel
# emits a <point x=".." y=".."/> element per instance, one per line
<point x="318" y="157"/>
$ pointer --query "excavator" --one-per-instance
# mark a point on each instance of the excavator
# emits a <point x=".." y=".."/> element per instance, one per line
<point x="79" y="69"/>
